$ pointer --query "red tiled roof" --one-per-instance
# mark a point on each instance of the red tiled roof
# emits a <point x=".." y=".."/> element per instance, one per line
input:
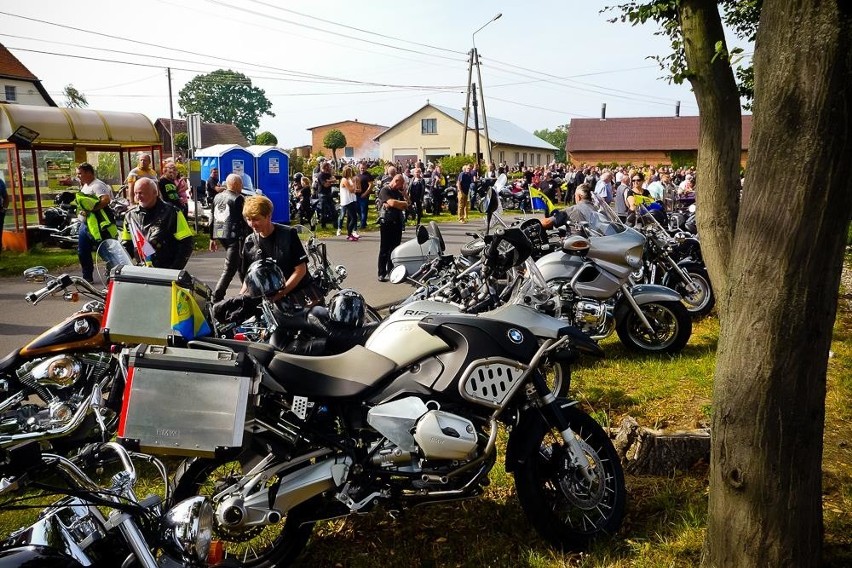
<point x="344" y="122"/>
<point x="637" y="134"/>
<point x="11" y="67"/>
<point x="211" y="133"/>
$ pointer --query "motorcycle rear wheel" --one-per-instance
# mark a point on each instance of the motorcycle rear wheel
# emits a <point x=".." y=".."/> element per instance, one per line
<point x="671" y="323"/>
<point x="274" y="545"/>
<point x="563" y="506"/>
<point x="701" y="302"/>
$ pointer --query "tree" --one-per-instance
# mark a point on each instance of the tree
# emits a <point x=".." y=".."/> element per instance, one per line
<point x="226" y="97"/>
<point x="182" y="141"/>
<point x="557" y="137"/>
<point x="266" y="138"/>
<point x="777" y="298"/>
<point x="334" y="140"/>
<point x="74" y="98"/>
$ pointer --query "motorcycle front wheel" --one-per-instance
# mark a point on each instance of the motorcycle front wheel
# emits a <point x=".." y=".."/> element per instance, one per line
<point x="670" y="321"/>
<point x="700" y="302"/>
<point x="266" y="547"/>
<point x="566" y="506"/>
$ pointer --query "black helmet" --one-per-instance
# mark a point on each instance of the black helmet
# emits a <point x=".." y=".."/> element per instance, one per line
<point x="263" y="278"/>
<point x="347" y="307"/>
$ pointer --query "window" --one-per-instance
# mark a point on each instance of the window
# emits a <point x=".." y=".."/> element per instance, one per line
<point x="526" y="163"/>
<point x="349" y="152"/>
<point x="502" y="156"/>
<point x="11" y="93"/>
<point x="429" y="126"/>
<point x="538" y="159"/>
<point x="517" y="158"/>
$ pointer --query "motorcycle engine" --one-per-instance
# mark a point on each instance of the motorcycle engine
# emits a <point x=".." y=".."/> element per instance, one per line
<point x="416" y="430"/>
<point x="61" y="371"/>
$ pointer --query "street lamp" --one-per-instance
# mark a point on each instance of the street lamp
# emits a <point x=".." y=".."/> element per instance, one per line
<point x="474" y="60"/>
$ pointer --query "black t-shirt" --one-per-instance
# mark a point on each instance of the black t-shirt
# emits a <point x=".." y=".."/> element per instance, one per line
<point x="283" y="246"/>
<point x="168" y="191"/>
<point x="362" y="183"/>
<point x="465" y="179"/>
<point x="392" y="215"/>
<point x="324" y="182"/>
<point x="416" y="189"/>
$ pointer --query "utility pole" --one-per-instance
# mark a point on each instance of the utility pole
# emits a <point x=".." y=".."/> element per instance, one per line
<point x="467" y="102"/>
<point x="471" y="87"/>
<point x="482" y="102"/>
<point x="171" y="112"/>
<point x="476" y="125"/>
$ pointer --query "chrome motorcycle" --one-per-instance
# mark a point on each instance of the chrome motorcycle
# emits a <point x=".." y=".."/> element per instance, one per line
<point x="96" y="525"/>
<point x="411" y="418"/>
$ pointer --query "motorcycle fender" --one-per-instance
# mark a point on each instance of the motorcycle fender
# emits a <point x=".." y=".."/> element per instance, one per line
<point x="645" y="294"/>
<point x="522" y="441"/>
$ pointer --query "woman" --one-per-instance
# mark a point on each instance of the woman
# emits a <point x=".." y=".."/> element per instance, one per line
<point x="278" y="242"/>
<point x="348" y="204"/>
<point x="636" y="197"/>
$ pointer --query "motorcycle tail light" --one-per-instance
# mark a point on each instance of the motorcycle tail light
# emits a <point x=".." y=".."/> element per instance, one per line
<point x="240" y="337"/>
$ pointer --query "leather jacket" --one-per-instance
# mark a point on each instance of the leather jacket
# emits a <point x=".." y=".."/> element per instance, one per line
<point x="166" y="229"/>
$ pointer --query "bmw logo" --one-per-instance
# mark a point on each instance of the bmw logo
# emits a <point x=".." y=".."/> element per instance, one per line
<point x="515" y="335"/>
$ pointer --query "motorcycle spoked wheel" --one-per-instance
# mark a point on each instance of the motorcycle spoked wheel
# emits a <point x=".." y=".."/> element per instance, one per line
<point x="701" y="302"/>
<point x="266" y="547"/>
<point x="557" y="378"/>
<point x="670" y="320"/>
<point x="563" y="506"/>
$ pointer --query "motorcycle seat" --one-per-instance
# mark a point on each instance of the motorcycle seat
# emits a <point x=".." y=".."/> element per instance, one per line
<point x="8" y="362"/>
<point x="332" y="376"/>
<point x="260" y="351"/>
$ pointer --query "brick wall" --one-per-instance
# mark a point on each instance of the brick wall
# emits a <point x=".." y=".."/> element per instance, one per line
<point x="652" y="158"/>
<point x="359" y="136"/>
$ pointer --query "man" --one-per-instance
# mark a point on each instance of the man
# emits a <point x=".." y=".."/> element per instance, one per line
<point x="621" y="194"/>
<point x="278" y="242"/>
<point x="246" y="179"/>
<point x="144" y="169"/>
<point x="212" y="186"/>
<point x="582" y="212"/>
<point x="363" y="189"/>
<point x="95" y="222"/>
<point x="604" y="186"/>
<point x="4" y="204"/>
<point x="437" y="182"/>
<point x="325" y="179"/>
<point x="463" y="183"/>
<point x="162" y="225"/>
<point x="416" y="191"/>
<point x="392" y="205"/>
<point x="228" y="228"/>
<point x="168" y="186"/>
<point x="658" y="189"/>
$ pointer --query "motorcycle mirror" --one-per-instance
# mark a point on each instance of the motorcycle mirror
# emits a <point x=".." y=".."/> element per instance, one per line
<point x="398" y="274"/>
<point x="71" y="297"/>
<point x="692" y="208"/>
<point x="35" y="274"/>
<point x="422" y="235"/>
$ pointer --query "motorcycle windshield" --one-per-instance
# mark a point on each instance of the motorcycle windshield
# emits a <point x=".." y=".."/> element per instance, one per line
<point x="111" y="252"/>
<point x="606" y="222"/>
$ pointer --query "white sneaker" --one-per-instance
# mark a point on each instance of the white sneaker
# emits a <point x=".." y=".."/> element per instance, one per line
<point x="356" y="235"/>
<point x="338" y="232"/>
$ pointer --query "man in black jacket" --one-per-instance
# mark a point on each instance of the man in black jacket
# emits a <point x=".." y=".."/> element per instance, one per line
<point x="162" y="226"/>
<point x="228" y="228"/>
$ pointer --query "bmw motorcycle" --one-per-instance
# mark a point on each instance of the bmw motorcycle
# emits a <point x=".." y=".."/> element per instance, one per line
<point x="409" y="419"/>
<point x="94" y="524"/>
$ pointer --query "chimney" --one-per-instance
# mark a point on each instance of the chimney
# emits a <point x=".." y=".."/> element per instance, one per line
<point x="603" y="111"/>
<point x="677" y="109"/>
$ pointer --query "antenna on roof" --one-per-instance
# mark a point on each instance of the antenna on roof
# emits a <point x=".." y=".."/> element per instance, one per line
<point x="603" y="111"/>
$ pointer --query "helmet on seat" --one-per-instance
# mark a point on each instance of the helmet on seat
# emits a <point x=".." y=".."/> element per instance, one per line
<point x="263" y="278"/>
<point x="347" y="307"/>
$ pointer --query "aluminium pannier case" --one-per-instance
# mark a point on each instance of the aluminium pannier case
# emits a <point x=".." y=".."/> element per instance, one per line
<point x="139" y="303"/>
<point x="186" y="402"/>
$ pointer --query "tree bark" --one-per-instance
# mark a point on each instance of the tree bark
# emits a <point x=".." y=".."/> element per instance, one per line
<point x="769" y="389"/>
<point x="719" y="137"/>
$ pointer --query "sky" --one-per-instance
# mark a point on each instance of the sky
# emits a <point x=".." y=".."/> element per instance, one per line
<point x="543" y="62"/>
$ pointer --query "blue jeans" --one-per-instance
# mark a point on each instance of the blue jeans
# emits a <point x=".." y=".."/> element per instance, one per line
<point x="85" y="247"/>
<point x="363" y="207"/>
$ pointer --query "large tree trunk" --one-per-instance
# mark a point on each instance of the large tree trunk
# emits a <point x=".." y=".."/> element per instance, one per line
<point x="719" y="138"/>
<point x="769" y="388"/>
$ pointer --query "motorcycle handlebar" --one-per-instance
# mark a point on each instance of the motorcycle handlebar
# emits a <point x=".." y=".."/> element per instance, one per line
<point x="62" y="282"/>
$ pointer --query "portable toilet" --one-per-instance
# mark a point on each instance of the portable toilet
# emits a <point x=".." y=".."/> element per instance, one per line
<point x="272" y="172"/>
<point x="229" y="158"/>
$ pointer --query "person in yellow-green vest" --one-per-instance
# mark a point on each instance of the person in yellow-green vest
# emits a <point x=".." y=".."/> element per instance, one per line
<point x="95" y="222"/>
<point x="155" y="232"/>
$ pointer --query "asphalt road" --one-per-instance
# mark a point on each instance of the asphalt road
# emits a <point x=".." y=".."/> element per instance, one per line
<point x="20" y="322"/>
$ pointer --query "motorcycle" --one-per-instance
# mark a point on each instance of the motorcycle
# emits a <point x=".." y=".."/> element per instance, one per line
<point x="61" y="224"/>
<point x="591" y="276"/>
<point x="426" y="245"/>
<point x="411" y="418"/>
<point x="98" y="525"/>
<point x="675" y="262"/>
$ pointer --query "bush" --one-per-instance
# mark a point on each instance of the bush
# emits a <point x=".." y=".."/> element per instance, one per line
<point x="452" y="165"/>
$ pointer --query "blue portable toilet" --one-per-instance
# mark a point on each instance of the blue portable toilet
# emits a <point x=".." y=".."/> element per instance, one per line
<point x="229" y="158"/>
<point x="272" y="173"/>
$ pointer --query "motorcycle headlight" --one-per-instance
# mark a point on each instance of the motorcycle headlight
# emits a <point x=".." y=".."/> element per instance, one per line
<point x="188" y="528"/>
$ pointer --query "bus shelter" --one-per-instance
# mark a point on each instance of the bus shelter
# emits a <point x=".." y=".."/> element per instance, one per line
<point x="40" y="148"/>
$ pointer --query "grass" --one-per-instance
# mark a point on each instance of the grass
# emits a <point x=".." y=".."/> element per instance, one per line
<point x="665" y="523"/>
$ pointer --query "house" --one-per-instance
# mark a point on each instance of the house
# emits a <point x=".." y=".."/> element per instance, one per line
<point x="434" y="131"/>
<point x="20" y="86"/>
<point x="211" y="134"/>
<point x="360" y="139"/>
<point x="654" y="141"/>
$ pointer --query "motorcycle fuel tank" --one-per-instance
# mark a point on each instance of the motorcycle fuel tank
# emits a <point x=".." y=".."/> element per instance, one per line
<point x="400" y="338"/>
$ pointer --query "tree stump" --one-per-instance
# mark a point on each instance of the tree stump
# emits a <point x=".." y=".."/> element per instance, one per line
<point x="644" y="451"/>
